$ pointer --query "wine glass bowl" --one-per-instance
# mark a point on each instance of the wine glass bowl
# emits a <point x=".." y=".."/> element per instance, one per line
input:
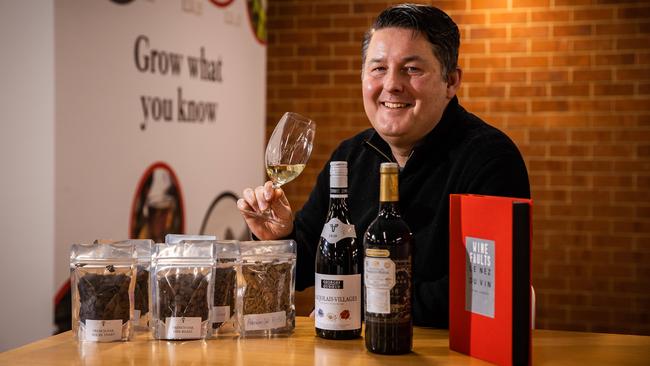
<point x="289" y="148"/>
<point x="286" y="155"/>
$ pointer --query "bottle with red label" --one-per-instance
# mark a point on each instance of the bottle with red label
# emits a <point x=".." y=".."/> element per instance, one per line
<point x="338" y="266"/>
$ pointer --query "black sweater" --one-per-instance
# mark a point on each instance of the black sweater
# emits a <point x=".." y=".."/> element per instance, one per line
<point x="462" y="154"/>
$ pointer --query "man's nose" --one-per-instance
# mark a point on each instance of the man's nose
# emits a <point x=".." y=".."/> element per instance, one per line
<point x="394" y="81"/>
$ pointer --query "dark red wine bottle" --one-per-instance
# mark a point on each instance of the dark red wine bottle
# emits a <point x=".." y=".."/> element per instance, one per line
<point x="387" y="272"/>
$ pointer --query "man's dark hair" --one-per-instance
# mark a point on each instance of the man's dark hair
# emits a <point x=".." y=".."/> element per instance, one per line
<point x="431" y="22"/>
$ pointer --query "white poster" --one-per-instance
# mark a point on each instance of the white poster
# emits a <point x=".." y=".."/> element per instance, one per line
<point x="160" y="108"/>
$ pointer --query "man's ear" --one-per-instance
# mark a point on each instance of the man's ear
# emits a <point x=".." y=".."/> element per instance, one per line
<point x="453" y="82"/>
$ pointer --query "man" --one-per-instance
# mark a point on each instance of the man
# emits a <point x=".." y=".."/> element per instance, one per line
<point x="409" y="79"/>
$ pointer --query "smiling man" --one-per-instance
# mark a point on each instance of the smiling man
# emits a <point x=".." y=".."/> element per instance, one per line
<point x="405" y="87"/>
<point x="409" y="78"/>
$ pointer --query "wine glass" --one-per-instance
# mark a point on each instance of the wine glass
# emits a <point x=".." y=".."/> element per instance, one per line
<point x="287" y="153"/>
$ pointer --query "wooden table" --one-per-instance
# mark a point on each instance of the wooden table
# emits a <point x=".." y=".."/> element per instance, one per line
<point x="431" y="347"/>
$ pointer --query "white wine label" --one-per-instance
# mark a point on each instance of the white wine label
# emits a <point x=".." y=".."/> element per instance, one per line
<point x="377" y="301"/>
<point x="335" y="230"/>
<point x="183" y="327"/>
<point x="103" y="330"/>
<point x="220" y="314"/>
<point x="379" y="273"/>
<point x="338" y="302"/>
<point x="379" y="280"/>
<point x="479" y="276"/>
<point x="265" y="321"/>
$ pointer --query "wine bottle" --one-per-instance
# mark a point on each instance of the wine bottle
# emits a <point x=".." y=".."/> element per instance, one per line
<point x="338" y="266"/>
<point x="387" y="272"/>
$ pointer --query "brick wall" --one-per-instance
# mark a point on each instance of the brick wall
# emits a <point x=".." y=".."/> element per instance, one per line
<point x="568" y="81"/>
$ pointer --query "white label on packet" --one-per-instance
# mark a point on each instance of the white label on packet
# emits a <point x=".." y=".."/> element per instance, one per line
<point x="265" y="321"/>
<point x="220" y="314"/>
<point x="338" y="303"/>
<point x="183" y="327"/>
<point x="335" y="230"/>
<point x="103" y="330"/>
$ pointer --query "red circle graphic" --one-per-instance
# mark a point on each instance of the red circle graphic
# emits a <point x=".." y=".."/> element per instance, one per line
<point x="221" y="3"/>
<point x="158" y="206"/>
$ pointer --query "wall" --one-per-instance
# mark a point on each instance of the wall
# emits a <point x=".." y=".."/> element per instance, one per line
<point x="76" y="180"/>
<point x="108" y="135"/>
<point x="569" y="81"/>
<point x="27" y="166"/>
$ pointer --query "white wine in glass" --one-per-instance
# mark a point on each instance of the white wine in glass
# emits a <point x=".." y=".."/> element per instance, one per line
<point x="287" y="153"/>
<point x="283" y="173"/>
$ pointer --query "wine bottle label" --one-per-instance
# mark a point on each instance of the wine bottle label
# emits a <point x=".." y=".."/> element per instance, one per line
<point x="377" y="301"/>
<point x="335" y="230"/>
<point x="338" y="301"/>
<point x="377" y="253"/>
<point x="379" y="280"/>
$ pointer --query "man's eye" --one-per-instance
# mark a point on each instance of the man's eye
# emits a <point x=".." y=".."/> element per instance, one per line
<point x="412" y="69"/>
<point x="378" y="69"/>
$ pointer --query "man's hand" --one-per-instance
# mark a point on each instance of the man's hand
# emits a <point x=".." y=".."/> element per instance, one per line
<point x="260" y="199"/>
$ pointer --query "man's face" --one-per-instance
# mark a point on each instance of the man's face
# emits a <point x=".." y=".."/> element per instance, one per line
<point x="404" y="94"/>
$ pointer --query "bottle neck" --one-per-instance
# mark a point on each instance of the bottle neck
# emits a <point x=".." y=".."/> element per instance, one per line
<point x="338" y="186"/>
<point x="338" y="193"/>
<point x="388" y="188"/>
<point x="338" y="206"/>
<point x="389" y="209"/>
<point x="389" y="194"/>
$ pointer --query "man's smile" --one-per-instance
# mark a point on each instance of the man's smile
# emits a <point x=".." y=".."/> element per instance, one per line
<point x="395" y="105"/>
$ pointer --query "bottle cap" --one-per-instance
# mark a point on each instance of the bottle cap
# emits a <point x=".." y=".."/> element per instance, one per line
<point x="338" y="174"/>
<point x="388" y="182"/>
<point x="388" y="168"/>
<point x="339" y="168"/>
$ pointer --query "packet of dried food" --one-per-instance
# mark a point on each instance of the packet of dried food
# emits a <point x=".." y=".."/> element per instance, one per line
<point x="177" y="238"/>
<point x="141" y="293"/>
<point x="224" y="321"/>
<point x="268" y="272"/>
<point x="181" y="283"/>
<point x="103" y="281"/>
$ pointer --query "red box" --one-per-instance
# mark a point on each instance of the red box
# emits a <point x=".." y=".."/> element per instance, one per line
<point x="489" y="278"/>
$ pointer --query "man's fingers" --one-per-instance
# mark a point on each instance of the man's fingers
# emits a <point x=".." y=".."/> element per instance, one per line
<point x="282" y="197"/>
<point x="261" y="200"/>
<point x="243" y="205"/>
<point x="249" y="196"/>
<point x="268" y="191"/>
